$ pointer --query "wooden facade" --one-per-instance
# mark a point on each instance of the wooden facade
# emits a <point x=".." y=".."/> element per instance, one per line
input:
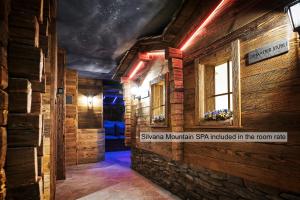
<point x="264" y="93"/>
<point x="71" y="121"/>
<point x="83" y="124"/>
<point x="28" y="64"/>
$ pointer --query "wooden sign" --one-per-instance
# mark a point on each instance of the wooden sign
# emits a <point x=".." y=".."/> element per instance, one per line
<point x="268" y="51"/>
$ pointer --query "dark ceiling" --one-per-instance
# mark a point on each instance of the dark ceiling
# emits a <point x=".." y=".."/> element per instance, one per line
<point x="96" y="33"/>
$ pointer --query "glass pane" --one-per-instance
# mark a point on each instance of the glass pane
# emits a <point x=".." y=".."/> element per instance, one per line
<point x="230" y="76"/>
<point x="221" y="79"/>
<point x="231" y="102"/>
<point x="295" y="10"/>
<point x="221" y="102"/>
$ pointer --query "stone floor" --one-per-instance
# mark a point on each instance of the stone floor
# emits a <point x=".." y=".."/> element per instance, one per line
<point x="111" y="179"/>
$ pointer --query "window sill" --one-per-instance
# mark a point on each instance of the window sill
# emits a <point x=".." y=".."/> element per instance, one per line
<point x="213" y="127"/>
<point x="158" y="126"/>
<point x="227" y="124"/>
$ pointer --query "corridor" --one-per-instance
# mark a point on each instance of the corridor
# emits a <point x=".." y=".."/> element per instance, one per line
<point x="108" y="180"/>
<point x="149" y="100"/>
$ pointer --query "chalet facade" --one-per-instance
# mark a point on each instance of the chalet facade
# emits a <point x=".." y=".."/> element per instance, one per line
<point x="237" y="58"/>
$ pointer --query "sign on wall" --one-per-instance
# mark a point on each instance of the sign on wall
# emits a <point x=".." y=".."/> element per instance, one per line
<point x="271" y="50"/>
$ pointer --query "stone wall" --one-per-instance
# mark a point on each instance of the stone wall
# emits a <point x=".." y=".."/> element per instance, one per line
<point x="188" y="183"/>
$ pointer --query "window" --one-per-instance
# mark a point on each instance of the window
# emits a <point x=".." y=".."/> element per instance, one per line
<point x="223" y="86"/>
<point x="158" y="101"/>
<point x="218" y="90"/>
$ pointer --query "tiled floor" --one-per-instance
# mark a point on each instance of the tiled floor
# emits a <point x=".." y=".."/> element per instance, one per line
<point x="111" y="179"/>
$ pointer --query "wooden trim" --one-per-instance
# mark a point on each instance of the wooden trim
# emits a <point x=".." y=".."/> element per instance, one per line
<point x="200" y="94"/>
<point x="200" y="91"/>
<point x="164" y="77"/>
<point x="236" y="83"/>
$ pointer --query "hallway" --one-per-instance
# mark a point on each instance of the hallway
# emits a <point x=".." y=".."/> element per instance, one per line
<point x="108" y="180"/>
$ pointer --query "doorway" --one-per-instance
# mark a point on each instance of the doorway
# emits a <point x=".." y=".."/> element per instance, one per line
<point x="113" y="116"/>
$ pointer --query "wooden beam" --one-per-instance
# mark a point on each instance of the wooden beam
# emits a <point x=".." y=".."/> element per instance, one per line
<point x="33" y="190"/>
<point x="21" y="166"/>
<point x="3" y="146"/>
<point x="236" y="83"/>
<point x="61" y="115"/>
<point x="24" y="130"/>
<point x="19" y="95"/>
<point x="36" y="105"/>
<point x="24" y="29"/>
<point x="3" y="117"/>
<point x="25" y="62"/>
<point x="39" y="86"/>
<point x="24" y="121"/>
<point x="3" y="100"/>
<point x="3" y="77"/>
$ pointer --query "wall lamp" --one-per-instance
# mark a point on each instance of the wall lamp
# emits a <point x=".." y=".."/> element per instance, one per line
<point x="90" y="101"/>
<point x="293" y="10"/>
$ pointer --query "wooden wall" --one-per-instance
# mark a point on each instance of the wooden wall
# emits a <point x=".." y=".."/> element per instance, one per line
<point x="269" y="100"/>
<point x="31" y="59"/>
<point x="71" y="120"/>
<point x="137" y="112"/>
<point x="91" y="145"/>
<point x="90" y="116"/>
<point x="269" y="94"/>
<point x="4" y="11"/>
<point x="91" y="136"/>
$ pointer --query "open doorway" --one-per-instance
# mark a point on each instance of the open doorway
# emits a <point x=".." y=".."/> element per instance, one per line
<point x="113" y="116"/>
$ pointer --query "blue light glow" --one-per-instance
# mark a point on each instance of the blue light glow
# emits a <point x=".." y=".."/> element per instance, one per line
<point x="114" y="101"/>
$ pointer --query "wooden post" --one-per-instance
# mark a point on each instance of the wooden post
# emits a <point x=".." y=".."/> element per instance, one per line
<point x="4" y="12"/>
<point x="71" y="121"/>
<point x="128" y="112"/>
<point x="175" y="65"/>
<point x="61" y="113"/>
<point x="236" y="83"/>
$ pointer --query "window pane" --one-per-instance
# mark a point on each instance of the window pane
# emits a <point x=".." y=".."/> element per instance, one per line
<point x="221" y="79"/>
<point x="230" y="75"/>
<point x="158" y="102"/>
<point x="231" y="102"/>
<point x="221" y="102"/>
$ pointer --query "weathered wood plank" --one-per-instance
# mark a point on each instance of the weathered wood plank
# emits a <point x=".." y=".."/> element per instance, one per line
<point x="33" y="190"/>
<point x="19" y="95"/>
<point x="3" y="77"/>
<point x="21" y="171"/>
<point x="24" y="121"/>
<point x="3" y="117"/>
<point x="3" y="100"/>
<point x="236" y="83"/>
<point x="36" y="103"/>
<point x="3" y="146"/>
<point x="24" y="30"/>
<point x="25" y="62"/>
<point x="24" y="138"/>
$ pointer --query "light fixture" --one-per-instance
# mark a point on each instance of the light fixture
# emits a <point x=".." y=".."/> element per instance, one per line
<point x="293" y="10"/>
<point x="136" y="69"/>
<point x="199" y="30"/>
<point x="115" y="99"/>
<point x="90" y="101"/>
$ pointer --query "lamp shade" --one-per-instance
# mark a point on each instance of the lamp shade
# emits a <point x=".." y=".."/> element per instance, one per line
<point x="293" y="10"/>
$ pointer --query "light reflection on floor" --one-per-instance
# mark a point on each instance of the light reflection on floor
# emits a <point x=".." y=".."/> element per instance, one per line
<point x="111" y="179"/>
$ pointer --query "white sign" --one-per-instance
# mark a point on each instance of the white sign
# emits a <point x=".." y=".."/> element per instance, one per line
<point x="268" y="51"/>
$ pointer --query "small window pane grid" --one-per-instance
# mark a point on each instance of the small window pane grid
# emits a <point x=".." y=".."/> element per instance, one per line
<point x="223" y="86"/>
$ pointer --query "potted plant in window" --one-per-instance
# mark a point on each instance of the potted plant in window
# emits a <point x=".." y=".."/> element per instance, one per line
<point x="159" y="119"/>
<point x="223" y="116"/>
